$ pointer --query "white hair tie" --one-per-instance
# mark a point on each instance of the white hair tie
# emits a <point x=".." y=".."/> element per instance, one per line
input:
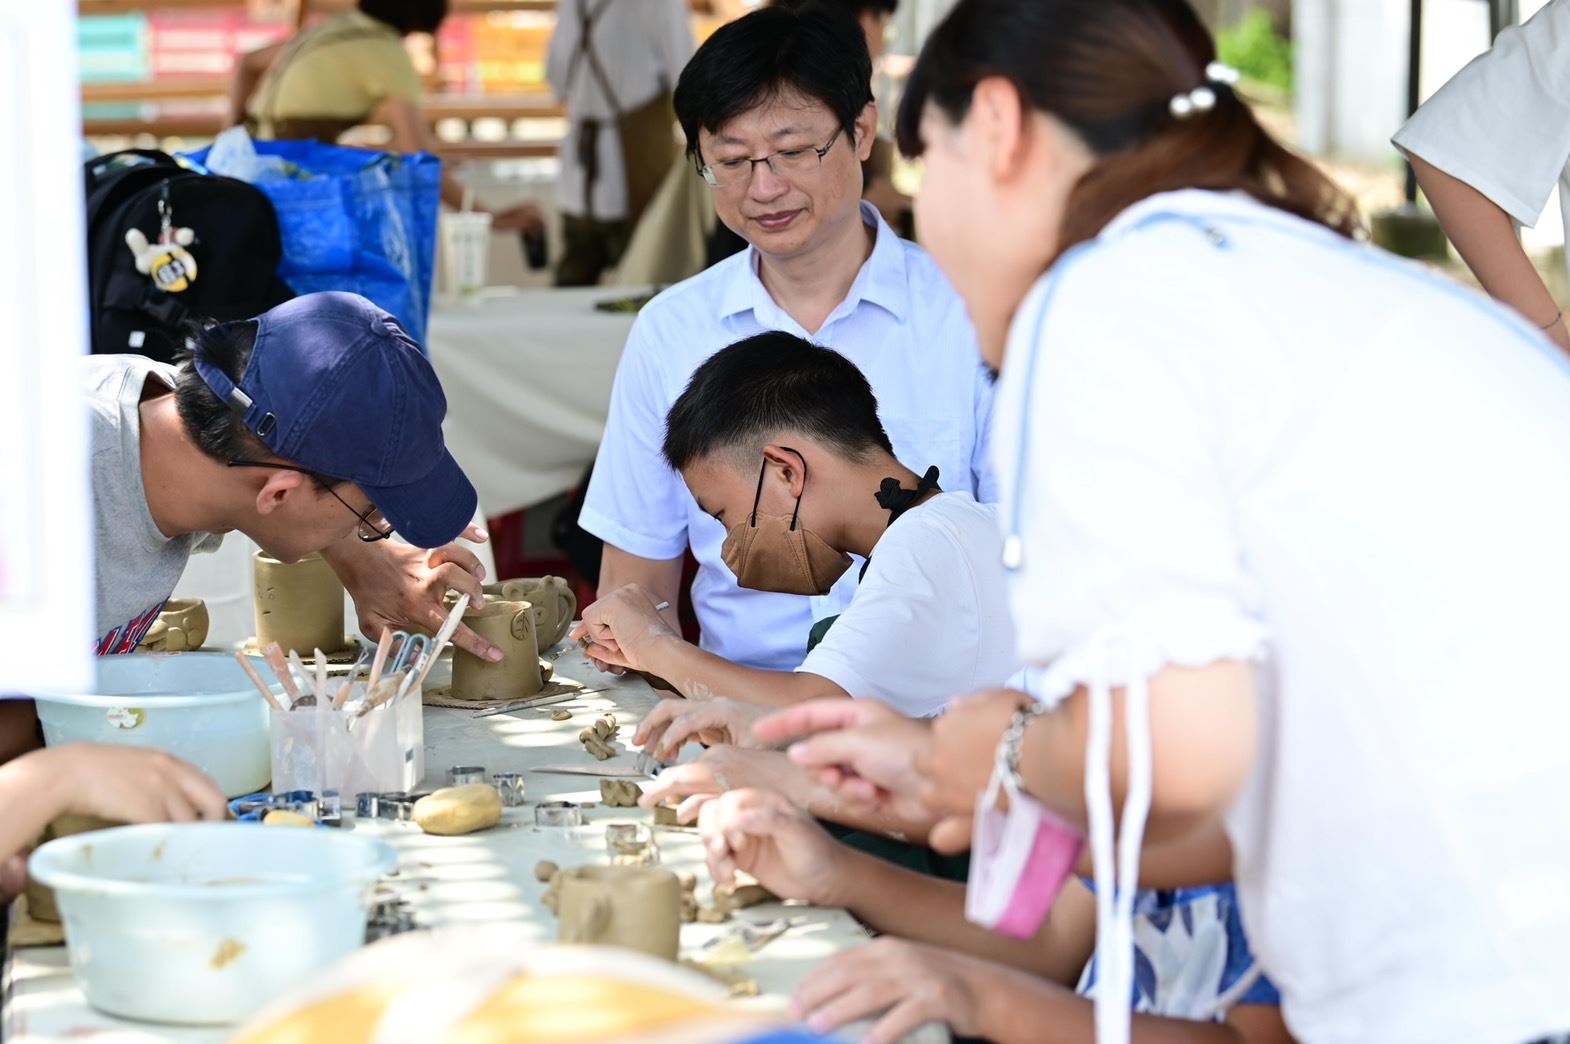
<point x="1203" y="98"/>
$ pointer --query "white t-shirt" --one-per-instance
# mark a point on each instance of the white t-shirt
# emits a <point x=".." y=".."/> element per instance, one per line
<point x="930" y="620"/>
<point x="1502" y="124"/>
<point x="901" y="323"/>
<point x="642" y="46"/>
<point x="1295" y="450"/>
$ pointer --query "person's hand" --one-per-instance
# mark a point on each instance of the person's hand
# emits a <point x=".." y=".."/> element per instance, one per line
<point x="131" y="784"/>
<point x="525" y="217"/>
<point x="623" y="625"/>
<point x="721" y="769"/>
<point x="907" y="983"/>
<point x="957" y="765"/>
<point x="13" y="878"/>
<point x="672" y="723"/>
<point x="864" y="751"/>
<point x="759" y="832"/>
<point x="400" y="586"/>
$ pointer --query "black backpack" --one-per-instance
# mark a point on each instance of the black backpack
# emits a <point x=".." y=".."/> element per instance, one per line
<point x="236" y="251"/>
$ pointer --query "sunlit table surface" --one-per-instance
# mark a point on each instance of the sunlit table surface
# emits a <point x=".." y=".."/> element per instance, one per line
<point x="484" y="878"/>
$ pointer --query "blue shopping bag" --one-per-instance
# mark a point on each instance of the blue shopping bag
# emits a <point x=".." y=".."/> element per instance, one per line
<point x="357" y="220"/>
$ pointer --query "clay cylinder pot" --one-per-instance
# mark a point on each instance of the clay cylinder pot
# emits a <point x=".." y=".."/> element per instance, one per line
<point x="555" y="605"/>
<point x="299" y="605"/>
<point x="635" y="907"/>
<point x="509" y="625"/>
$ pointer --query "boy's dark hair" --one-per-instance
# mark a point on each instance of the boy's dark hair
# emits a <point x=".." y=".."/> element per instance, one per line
<point x="813" y="51"/>
<point x="746" y="394"/>
<point x="217" y="430"/>
<point x="856" y="8"/>
<point x="407" y="16"/>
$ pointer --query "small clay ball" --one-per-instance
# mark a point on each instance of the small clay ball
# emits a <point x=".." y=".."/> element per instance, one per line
<point x="544" y="870"/>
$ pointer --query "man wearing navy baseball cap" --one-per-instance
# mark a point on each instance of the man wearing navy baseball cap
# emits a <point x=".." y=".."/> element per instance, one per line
<point x="315" y="427"/>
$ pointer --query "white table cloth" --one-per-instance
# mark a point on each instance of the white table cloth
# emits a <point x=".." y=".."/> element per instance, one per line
<point x="528" y="379"/>
<point x="483" y="878"/>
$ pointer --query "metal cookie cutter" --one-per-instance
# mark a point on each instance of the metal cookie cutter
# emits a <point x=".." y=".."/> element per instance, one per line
<point x="397" y="807"/>
<point x="631" y="844"/>
<point x="459" y="775"/>
<point x="558" y="814"/>
<point x="510" y="786"/>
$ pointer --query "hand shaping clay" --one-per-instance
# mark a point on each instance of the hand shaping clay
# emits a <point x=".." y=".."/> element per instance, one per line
<point x="620" y="793"/>
<point x="459" y="810"/>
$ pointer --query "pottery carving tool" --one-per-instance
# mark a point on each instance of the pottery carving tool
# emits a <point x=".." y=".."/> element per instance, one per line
<point x="273" y="654"/>
<point x="383" y="645"/>
<point x="256" y="680"/>
<point x="537" y="701"/>
<point x="321" y="676"/>
<point x="590" y="770"/>
<point x="443" y="636"/>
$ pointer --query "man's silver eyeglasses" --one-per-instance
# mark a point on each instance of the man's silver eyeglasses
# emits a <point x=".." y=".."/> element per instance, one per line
<point x="786" y="163"/>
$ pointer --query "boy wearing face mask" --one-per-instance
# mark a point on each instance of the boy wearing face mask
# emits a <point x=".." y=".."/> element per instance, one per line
<point x="779" y="443"/>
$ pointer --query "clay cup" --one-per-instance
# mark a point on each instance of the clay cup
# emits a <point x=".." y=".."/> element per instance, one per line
<point x="555" y="605"/>
<point x="299" y="605"/>
<point x="635" y="907"/>
<point x="509" y="625"/>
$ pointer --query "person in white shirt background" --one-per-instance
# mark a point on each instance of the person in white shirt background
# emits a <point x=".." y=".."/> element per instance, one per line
<point x="612" y="64"/>
<point x="778" y="115"/>
<point x="1286" y="523"/>
<point x="779" y="440"/>
<point x="1488" y="148"/>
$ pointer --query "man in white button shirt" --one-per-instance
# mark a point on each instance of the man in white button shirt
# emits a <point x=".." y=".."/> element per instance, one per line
<point x="612" y="63"/>
<point x="778" y="114"/>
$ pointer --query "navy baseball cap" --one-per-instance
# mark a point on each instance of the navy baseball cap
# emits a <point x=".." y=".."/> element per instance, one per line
<point x="337" y="386"/>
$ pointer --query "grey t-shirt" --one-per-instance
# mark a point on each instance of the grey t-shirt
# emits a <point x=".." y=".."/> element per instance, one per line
<point x="137" y="566"/>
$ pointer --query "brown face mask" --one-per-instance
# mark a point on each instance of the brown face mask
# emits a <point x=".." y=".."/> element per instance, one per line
<point x="775" y="553"/>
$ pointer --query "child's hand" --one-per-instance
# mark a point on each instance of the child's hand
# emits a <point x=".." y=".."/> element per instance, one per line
<point x="759" y="832"/>
<point x="131" y="784"/>
<point x="711" y="722"/>
<point x="907" y="984"/>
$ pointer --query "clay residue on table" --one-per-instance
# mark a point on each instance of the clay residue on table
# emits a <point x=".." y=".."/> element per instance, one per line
<point x="228" y="952"/>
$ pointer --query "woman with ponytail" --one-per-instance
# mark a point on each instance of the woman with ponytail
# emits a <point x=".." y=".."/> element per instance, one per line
<point x="1288" y="526"/>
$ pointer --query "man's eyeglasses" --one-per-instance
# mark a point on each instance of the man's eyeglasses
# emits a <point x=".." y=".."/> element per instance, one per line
<point x="373" y="526"/>
<point x="786" y="163"/>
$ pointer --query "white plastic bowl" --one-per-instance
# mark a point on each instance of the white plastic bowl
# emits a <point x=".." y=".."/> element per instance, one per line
<point x="203" y="923"/>
<point x="198" y="706"/>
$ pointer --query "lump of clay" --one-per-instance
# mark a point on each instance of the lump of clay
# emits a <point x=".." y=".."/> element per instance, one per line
<point x="594" y="742"/>
<point x="741" y="896"/>
<point x="544" y="870"/>
<point x="459" y="810"/>
<point x="560" y="715"/>
<point x="620" y="793"/>
<point x="283" y="817"/>
<point x="665" y="815"/>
